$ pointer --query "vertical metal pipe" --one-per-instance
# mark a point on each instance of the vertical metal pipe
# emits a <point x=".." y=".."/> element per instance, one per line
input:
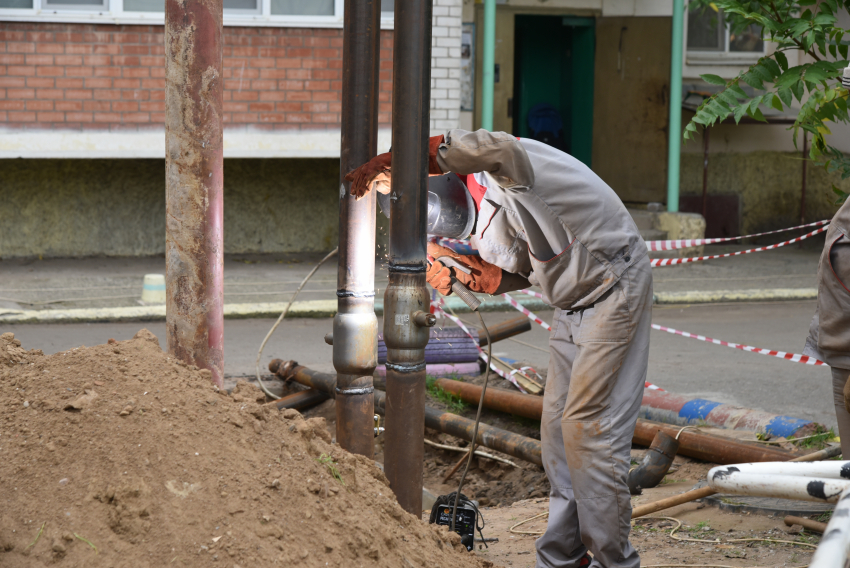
<point x="355" y="347"/>
<point x="406" y="293"/>
<point x="674" y="129"/>
<point x="488" y="63"/>
<point x="194" y="242"/>
<point x="706" y="133"/>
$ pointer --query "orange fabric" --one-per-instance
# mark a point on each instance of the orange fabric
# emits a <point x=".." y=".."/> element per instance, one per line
<point x="484" y="277"/>
<point x="433" y="144"/>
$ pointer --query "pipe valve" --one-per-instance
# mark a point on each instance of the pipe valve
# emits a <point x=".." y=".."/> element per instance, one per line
<point x="424" y="319"/>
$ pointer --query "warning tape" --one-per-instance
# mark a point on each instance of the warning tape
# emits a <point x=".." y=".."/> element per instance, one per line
<point x="687" y="243"/>
<point x="673" y="261"/>
<point x="793" y="357"/>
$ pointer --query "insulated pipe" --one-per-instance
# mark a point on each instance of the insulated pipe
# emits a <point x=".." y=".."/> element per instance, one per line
<point x="674" y="129"/>
<point x="406" y="293"/>
<point x="834" y="548"/>
<point x="355" y="327"/>
<point x="521" y="447"/>
<point x="696" y="445"/>
<point x="194" y="269"/>
<point x="818" y="481"/>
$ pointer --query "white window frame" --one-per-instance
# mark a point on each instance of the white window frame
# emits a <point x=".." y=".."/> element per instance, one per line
<point x="114" y="13"/>
<point x="716" y="57"/>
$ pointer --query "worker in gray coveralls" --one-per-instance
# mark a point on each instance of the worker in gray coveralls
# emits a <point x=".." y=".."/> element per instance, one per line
<point x="829" y="333"/>
<point x="544" y="218"/>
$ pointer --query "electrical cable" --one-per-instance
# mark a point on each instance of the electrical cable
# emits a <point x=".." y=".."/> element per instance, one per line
<point x="280" y="319"/>
<point x="477" y="421"/>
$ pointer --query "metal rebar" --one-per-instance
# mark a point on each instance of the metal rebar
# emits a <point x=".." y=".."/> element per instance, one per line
<point x="406" y="293"/>
<point x="194" y="243"/>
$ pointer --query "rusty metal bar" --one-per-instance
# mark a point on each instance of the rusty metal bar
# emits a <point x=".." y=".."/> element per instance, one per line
<point x="299" y="400"/>
<point x="488" y="436"/>
<point x="406" y="293"/>
<point x="355" y="328"/>
<point x="696" y="445"/>
<point x="194" y="244"/>
<point x="505" y="330"/>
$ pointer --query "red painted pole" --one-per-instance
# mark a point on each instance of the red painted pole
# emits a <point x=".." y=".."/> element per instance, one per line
<point x="194" y="269"/>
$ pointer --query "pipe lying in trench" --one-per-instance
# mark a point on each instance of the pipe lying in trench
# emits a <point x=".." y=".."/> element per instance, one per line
<point x="515" y="445"/>
<point x="696" y="445"/>
<point x="299" y="400"/>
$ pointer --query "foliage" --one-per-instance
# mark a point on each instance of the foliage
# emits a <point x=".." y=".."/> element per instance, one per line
<point x="453" y="403"/>
<point x="329" y="462"/>
<point x="811" y="89"/>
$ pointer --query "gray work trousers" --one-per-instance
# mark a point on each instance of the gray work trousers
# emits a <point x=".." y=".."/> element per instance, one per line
<point x="839" y="379"/>
<point x="593" y="394"/>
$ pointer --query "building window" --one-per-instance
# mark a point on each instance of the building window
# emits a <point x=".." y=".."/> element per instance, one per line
<point x="709" y="37"/>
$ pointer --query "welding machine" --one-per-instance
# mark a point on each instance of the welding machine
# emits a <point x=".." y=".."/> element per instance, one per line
<point x="465" y="522"/>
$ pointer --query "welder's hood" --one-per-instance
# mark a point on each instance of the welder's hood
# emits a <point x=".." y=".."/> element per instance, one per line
<point x="451" y="209"/>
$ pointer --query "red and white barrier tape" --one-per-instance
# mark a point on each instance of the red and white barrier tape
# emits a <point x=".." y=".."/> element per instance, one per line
<point x="686" y="243"/>
<point x="481" y="352"/>
<point x="794" y="357"/>
<point x="673" y="261"/>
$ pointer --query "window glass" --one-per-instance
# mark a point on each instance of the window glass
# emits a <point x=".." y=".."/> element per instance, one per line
<point x="302" y="7"/>
<point x="705" y="30"/>
<point x="144" y="5"/>
<point x="749" y="39"/>
<point x="387" y="5"/>
<point x="26" y="4"/>
<point x="74" y="3"/>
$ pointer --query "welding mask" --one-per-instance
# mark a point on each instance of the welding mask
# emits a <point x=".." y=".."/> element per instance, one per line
<point x="451" y="209"/>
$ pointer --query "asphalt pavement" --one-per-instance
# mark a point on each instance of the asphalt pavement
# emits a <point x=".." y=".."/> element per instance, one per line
<point x="679" y="365"/>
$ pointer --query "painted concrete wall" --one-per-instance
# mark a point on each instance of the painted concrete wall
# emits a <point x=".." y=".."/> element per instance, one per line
<point x="78" y="208"/>
<point x="769" y="184"/>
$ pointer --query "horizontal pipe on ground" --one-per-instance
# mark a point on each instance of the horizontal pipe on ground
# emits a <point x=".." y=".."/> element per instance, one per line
<point x="810" y="524"/>
<point x="505" y="330"/>
<point x="696" y="445"/>
<point x="300" y="400"/>
<point x="515" y="445"/>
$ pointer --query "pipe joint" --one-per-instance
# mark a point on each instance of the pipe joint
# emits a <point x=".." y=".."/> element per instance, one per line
<point x="424" y="319"/>
<point x="355" y="342"/>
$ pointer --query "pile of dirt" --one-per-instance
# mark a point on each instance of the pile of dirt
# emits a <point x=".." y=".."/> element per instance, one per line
<point x="118" y="455"/>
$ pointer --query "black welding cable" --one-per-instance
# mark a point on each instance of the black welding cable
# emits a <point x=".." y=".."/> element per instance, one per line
<point x="283" y="315"/>
<point x="477" y="418"/>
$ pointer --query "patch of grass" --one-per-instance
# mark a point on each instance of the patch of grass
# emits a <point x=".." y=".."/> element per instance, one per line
<point x="666" y="481"/>
<point x="329" y="462"/>
<point x="824" y="517"/>
<point x="452" y="402"/>
<point x="700" y="526"/>
<point x="816" y="441"/>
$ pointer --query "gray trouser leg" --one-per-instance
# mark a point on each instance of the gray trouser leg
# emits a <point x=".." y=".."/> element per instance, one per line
<point x="839" y="380"/>
<point x="593" y="394"/>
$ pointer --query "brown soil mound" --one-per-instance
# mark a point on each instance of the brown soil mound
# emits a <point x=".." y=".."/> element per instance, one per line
<point x="117" y="455"/>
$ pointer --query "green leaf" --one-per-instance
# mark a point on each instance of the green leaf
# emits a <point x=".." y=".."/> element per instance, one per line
<point x="753" y="81"/>
<point x="756" y="114"/>
<point x="776" y="103"/>
<point x="691" y="127"/>
<point x="797" y="88"/>
<point x="842" y="49"/>
<point x="814" y="74"/>
<point x="825" y="19"/>
<point x="785" y="96"/>
<point x="740" y="112"/>
<point x="713" y="79"/>
<point x="782" y="60"/>
<point x="728" y="98"/>
<point x="737" y="91"/>
<point x="832" y="50"/>
<point x="772" y="67"/>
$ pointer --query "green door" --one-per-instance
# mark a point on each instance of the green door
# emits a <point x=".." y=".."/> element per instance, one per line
<point x="553" y="82"/>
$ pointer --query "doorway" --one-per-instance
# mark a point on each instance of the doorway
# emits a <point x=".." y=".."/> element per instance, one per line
<point x="553" y="82"/>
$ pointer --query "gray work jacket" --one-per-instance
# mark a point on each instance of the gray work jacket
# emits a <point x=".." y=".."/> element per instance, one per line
<point x="545" y="215"/>
<point x="829" y="333"/>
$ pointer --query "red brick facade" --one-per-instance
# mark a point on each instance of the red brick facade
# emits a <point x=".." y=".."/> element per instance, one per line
<point x="109" y="77"/>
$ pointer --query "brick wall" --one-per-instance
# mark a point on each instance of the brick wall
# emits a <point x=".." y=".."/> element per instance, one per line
<point x="112" y="77"/>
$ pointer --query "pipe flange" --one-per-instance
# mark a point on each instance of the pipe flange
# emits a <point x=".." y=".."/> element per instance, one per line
<point x="354" y="390"/>
<point x="406" y="367"/>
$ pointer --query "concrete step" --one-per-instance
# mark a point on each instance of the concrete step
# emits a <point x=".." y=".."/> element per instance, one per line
<point x="653" y="235"/>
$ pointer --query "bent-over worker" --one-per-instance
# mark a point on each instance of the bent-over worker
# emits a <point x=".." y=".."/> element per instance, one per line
<point x="829" y="333"/>
<point x="544" y="218"/>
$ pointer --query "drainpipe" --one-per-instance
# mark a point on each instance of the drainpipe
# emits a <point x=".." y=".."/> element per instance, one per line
<point x="675" y="127"/>
<point x="355" y="346"/>
<point x="194" y="269"/>
<point x="489" y="64"/>
<point x="406" y="294"/>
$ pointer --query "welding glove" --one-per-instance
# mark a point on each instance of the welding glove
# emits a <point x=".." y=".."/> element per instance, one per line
<point x="375" y="174"/>
<point x="484" y="277"/>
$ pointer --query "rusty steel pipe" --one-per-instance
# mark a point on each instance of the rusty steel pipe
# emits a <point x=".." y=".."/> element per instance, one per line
<point x="299" y="400"/>
<point x="406" y="293"/>
<point x="505" y="330"/>
<point x="194" y="159"/>
<point x="655" y="465"/>
<point x="515" y="445"/>
<point x="705" y="447"/>
<point x="355" y="326"/>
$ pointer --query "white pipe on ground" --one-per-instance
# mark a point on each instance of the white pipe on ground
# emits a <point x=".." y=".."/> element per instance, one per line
<point x="824" y="481"/>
